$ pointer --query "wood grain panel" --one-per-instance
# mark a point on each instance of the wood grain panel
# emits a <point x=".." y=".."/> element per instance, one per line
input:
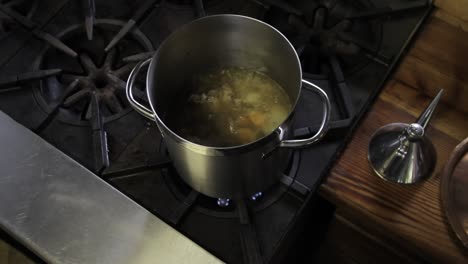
<point x="10" y="255"/>
<point x="452" y="122"/>
<point x="457" y="8"/>
<point x="428" y="79"/>
<point x="438" y="59"/>
<point x="443" y="45"/>
<point x="411" y="214"/>
<point x="349" y="243"/>
<point x="450" y="19"/>
<point x="4" y="249"/>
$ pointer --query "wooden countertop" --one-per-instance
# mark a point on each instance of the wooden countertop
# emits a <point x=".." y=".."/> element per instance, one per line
<point x="409" y="218"/>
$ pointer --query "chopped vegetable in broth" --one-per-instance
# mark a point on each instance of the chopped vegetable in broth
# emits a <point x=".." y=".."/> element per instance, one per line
<point x="230" y="107"/>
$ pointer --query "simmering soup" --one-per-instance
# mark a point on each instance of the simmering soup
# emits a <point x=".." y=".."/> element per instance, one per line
<point x="229" y="107"/>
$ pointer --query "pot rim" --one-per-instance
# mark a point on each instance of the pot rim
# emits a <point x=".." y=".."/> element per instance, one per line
<point x="213" y="150"/>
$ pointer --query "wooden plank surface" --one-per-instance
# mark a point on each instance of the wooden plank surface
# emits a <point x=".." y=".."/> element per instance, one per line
<point x="347" y="242"/>
<point x="410" y="218"/>
<point x="10" y="255"/>
<point x="409" y="214"/>
<point x="438" y="59"/>
<point x="456" y="8"/>
<point x="450" y="121"/>
<point x="449" y="19"/>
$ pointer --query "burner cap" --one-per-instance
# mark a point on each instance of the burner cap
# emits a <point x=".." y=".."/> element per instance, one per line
<point x="94" y="75"/>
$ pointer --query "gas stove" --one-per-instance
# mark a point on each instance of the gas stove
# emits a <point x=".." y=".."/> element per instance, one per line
<point x="64" y="66"/>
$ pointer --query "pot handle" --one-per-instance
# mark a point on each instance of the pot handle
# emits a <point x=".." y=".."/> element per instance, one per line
<point x="143" y="110"/>
<point x="298" y="143"/>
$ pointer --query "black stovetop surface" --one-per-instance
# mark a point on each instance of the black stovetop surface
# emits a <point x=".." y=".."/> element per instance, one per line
<point x="347" y="47"/>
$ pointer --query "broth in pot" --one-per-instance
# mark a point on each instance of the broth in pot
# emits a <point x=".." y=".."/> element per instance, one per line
<point x="229" y="107"/>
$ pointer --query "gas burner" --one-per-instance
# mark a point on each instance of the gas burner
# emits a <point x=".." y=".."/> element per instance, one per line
<point x="225" y="207"/>
<point x="24" y="7"/>
<point x="94" y="82"/>
<point x="221" y="207"/>
<point x="223" y="202"/>
<point x="256" y="196"/>
<point x="103" y="82"/>
<point x="325" y="30"/>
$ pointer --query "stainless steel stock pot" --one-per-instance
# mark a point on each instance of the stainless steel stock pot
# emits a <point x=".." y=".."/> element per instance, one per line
<point x="226" y="41"/>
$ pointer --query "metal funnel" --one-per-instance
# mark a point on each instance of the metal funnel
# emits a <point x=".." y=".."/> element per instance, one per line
<point x="401" y="152"/>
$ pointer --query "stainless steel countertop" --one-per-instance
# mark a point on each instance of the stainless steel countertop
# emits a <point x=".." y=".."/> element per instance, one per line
<point x="66" y="214"/>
